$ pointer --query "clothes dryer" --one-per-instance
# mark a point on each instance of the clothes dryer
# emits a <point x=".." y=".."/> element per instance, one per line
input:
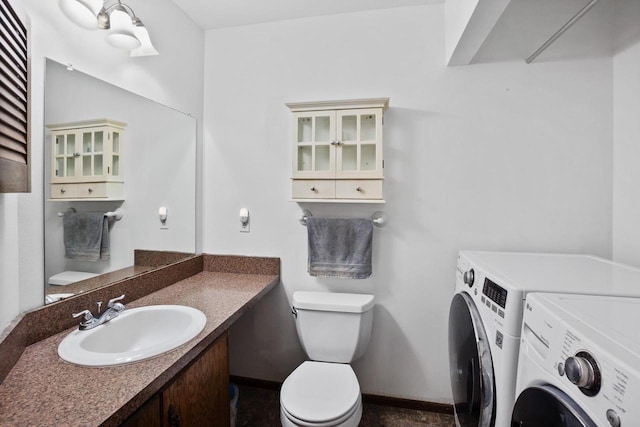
<point x="485" y="320"/>
<point x="579" y="362"/>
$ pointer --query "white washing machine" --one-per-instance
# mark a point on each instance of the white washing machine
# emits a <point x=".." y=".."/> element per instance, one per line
<point x="485" y="320"/>
<point x="579" y="362"/>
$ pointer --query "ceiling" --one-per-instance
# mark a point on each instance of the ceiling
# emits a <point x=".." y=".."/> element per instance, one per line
<point x="211" y="14"/>
<point x="522" y="27"/>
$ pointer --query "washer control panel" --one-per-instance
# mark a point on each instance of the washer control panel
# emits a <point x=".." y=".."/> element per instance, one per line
<point x="495" y="292"/>
<point x="488" y="294"/>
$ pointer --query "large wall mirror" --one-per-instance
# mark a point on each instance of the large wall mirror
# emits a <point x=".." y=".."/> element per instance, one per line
<point x="159" y="171"/>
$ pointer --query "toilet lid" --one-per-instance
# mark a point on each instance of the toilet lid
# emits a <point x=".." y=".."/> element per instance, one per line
<point x="317" y="392"/>
<point x="69" y="277"/>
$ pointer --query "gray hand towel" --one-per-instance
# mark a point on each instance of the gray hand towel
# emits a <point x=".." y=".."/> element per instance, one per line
<point x="86" y="236"/>
<point x="340" y="247"/>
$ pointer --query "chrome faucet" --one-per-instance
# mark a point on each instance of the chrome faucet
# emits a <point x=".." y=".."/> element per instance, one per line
<point x="113" y="310"/>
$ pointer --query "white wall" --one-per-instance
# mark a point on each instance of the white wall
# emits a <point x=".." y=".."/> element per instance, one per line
<point x="499" y="156"/>
<point x="163" y="78"/>
<point x="626" y="152"/>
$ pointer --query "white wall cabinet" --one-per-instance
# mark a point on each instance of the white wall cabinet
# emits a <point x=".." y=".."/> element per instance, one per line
<point x="87" y="160"/>
<point x="337" y="151"/>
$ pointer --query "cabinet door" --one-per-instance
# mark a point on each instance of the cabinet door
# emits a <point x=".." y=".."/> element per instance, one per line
<point x="199" y="396"/>
<point x="65" y="153"/>
<point x="148" y="415"/>
<point x="94" y="148"/>
<point x="314" y="135"/>
<point x="114" y="161"/>
<point x="359" y="136"/>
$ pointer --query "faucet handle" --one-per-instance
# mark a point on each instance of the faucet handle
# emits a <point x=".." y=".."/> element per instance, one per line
<point x="113" y="300"/>
<point x="87" y="314"/>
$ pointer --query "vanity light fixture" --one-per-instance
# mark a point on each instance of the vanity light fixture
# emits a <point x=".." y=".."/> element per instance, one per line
<point x="125" y="30"/>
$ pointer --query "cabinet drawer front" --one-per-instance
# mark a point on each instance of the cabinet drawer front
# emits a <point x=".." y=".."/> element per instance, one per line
<point x="313" y="189"/>
<point x="92" y="189"/>
<point x="64" y="191"/>
<point x="359" y="189"/>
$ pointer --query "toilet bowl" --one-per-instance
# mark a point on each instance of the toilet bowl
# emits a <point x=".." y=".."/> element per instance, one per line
<point x="68" y="277"/>
<point x="321" y="394"/>
<point x="334" y="330"/>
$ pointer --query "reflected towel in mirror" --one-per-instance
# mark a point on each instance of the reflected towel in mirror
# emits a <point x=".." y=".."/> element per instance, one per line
<point x="86" y="236"/>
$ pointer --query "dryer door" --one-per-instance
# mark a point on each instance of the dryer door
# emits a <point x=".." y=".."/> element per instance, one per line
<point x="470" y="365"/>
<point x="548" y="406"/>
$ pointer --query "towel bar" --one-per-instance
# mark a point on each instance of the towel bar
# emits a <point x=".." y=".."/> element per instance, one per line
<point x="378" y="218"/>
<point x="117" y="214"/>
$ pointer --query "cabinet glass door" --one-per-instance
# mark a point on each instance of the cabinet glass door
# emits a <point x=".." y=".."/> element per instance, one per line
<point x="65" y="155"/>
<point x="93" y="147"/>
<point x="314" y="133"/>
<point x="115" y="155"/>
<point x="360" y="140"/>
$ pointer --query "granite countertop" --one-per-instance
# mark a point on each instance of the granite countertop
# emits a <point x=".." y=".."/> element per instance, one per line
<point x="43" y="390"/>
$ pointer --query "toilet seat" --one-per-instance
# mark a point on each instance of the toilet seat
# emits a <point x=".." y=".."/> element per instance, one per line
<point x="320" y="394"/>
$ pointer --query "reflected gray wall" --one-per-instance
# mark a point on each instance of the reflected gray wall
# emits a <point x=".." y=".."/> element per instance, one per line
<point x="159" y="170"/>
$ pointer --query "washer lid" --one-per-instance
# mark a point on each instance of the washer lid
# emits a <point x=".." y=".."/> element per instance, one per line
<point x="317" y="392"/>
<point x="333" y="301"/>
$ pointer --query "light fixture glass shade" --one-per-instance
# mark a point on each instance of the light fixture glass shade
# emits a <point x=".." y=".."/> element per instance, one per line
<point x="146" y="48"/>
<point x="82" y="12"/>
<point x="121" y="34"/>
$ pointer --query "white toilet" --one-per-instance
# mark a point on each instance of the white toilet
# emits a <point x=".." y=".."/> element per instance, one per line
<point x="334" y="329"/>
<point x="69" y="277"/>
<point x="63" y="279"/>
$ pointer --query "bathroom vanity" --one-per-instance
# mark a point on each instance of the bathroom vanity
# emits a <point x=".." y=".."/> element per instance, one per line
<point x="186" y="386"/>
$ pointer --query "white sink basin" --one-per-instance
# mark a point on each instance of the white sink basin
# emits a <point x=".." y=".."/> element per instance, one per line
<point x="136" y="334"/>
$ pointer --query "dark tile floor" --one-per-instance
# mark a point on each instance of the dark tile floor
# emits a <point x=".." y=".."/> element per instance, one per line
<point x="260" y="407"/>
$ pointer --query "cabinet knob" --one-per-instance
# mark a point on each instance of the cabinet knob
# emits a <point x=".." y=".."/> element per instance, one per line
<point x="76" y="154"/>
<point x="359" y="189"/>
<point x="62" y="190"/>
<point x="90" y="190"/>
<point x="313" y="189"/>
<point x="174" y="416"/>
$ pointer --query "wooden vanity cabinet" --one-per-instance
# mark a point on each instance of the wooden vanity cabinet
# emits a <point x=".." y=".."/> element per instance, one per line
<point x="197" y="396"/>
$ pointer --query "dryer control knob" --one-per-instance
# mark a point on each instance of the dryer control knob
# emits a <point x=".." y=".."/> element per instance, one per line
<point x="613" y="418"/>
<point x="468" y="277"/>
<point x="579" y="371"/>
<point x="582" y="370"/>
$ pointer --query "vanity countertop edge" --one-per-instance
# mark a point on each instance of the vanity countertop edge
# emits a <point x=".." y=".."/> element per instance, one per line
<point x="42" y="389"/>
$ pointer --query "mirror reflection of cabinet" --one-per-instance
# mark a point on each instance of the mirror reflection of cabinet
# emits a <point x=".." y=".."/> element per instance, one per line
<point x="87" y="160"/>
<point x="338" y="150"/>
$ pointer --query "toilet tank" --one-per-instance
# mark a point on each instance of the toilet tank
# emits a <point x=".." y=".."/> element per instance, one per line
<point x="333" y="327"/>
